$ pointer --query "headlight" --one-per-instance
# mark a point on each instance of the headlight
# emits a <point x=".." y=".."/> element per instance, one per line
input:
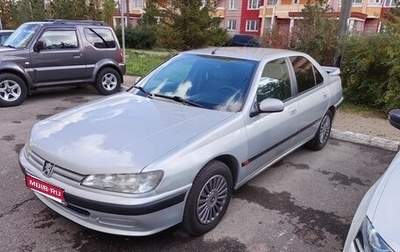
<point x="371" y="240"/>
<point x="125" y="183"/>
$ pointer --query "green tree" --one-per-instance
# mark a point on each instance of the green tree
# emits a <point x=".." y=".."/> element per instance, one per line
<point x="29" y="10"/>
<point x="187" y="24"/>
<point x="108" y="11"/>
<point x="94" y="10"/>
<point x="317" y="32"/>
<point x="6" y="14"/>
<point x="151" y="14"/>
<point x="74" y="9"/>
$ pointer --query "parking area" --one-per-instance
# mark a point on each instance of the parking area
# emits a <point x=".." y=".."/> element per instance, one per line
<point x="303" y="203"/>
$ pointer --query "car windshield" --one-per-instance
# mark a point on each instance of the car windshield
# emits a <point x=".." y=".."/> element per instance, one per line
<point x="22" y="36"/>
<point x="210" y="82"/>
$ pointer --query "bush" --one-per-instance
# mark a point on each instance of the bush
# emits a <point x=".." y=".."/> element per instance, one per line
<point x="139" y="37"/>
<point x="371" y="67"/>
<point x="370" y="72"/>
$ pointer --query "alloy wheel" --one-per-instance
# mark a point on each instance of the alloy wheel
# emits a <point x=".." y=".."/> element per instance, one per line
<point x="9" y="90"/>
<point x="212" y="199"/>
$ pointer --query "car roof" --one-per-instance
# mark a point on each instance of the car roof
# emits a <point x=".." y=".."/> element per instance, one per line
<point x="69" y="22"/>
<point x="249" y="53"/>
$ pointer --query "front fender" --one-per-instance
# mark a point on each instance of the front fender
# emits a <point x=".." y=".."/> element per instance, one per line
<point x="11" y="67"/>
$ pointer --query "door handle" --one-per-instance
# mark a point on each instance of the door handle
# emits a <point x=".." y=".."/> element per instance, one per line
<point x="76" y="55"/>
<point x="292" y="111"/>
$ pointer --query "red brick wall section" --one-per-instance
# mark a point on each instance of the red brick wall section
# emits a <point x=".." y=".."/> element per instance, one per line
<point x="249" y="15"/>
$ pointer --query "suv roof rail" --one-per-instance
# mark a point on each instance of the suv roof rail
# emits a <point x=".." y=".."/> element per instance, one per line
<point x="66" y="21"/>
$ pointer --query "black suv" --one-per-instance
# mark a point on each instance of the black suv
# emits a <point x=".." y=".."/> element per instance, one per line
<point x="59" y="52"/>
<point x="245" y="40"/>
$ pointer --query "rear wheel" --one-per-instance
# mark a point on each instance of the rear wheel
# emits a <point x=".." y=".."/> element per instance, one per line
<point x="13" y="90"/>
<point x="108" y="81"/>
<point x="208" y="198"/>
<point x="321" y="137"/>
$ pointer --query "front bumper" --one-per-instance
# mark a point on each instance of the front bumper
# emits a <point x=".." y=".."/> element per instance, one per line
<point x="126" y="215"/>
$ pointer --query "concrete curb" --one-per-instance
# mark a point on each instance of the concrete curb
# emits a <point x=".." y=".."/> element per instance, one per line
<point x="358" y="138"/>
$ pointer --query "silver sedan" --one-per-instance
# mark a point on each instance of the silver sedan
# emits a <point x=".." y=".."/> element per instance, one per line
<point x="172" y="148"/>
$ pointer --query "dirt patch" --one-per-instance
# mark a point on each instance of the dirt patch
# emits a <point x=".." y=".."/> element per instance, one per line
<point x="367" y="125"/>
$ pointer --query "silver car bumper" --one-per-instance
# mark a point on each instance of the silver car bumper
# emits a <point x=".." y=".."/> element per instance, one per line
<point x="124" y="216"/>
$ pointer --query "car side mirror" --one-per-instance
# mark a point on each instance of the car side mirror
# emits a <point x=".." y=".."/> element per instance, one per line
<point x="269" y="105"/>
<point x="394" y="118"/>
<point x="39" y="46"/>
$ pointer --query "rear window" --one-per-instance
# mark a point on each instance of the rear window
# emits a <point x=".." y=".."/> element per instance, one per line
<point x="100" y="37"/>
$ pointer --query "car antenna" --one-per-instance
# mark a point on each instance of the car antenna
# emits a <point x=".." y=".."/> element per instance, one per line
<point x="221" y="45"/>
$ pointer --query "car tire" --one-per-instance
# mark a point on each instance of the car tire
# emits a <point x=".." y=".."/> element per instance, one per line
<point x="13" y="90"/>
<point x="211" y="190"/>
<point x="108" y="81"/>
<point x="324" y="130"/>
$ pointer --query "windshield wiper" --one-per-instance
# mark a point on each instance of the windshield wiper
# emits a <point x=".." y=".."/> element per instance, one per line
<point x="9" y="46"/>
<point x="180" y="99"/>
<point x="149" y="95"/>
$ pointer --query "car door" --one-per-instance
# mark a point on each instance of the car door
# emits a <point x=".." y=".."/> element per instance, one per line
<point x="60" y="59"/>
<point x="312" y="96"/>
<point x="270" y="135"/>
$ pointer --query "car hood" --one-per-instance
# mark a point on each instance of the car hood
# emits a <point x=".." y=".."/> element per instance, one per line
<point x="12" y="54"/>
<point x="384" y="215"/>
<point x="119" y="134"/>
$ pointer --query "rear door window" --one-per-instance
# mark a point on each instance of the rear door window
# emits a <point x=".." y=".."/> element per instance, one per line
<point x="307" y="75"/>
<point x="100" y="37"/>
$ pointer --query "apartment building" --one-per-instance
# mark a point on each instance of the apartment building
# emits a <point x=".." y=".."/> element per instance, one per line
<point x="256" y="17"/>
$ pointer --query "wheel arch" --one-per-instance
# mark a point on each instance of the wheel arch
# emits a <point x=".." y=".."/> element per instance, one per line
<point x="106" y="63"/>
<point x="18" y="71"/>
<point x="333" y="111"/>
<point x="232" y="164"/>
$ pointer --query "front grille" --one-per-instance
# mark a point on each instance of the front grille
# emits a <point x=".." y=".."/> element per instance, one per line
<point x="78" y="210"/>
<point x="59" y="172"/>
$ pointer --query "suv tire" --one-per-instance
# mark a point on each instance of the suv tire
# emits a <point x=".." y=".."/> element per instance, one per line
<point x="108" y="81"/>
<point x="13" y="90"/>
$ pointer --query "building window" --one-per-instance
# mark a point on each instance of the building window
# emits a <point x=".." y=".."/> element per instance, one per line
<point x="272" y="2"/>
<point x="137" y="4"/>
<point x="357" y="2"/>
<point x="355" y="25"/>
<point x="252" y="25"/>
<point x="231" y="25"/>
<point x="253" y="4"/>
<point x="391" y="3"/>
<point x="295" y="1"/>
<point x="233" y="4"/>
<point x="377" y="2"/>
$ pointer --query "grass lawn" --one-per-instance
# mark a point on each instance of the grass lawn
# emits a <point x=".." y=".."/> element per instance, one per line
<point x="140" y="63"/>
<point x="363" y="110"/>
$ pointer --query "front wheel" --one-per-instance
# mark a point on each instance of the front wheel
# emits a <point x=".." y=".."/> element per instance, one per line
<point x="13" y="90"/>
<point x="321" y="137"/>
<point x="108" y="81"/>
<point x="208" y="198"/>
